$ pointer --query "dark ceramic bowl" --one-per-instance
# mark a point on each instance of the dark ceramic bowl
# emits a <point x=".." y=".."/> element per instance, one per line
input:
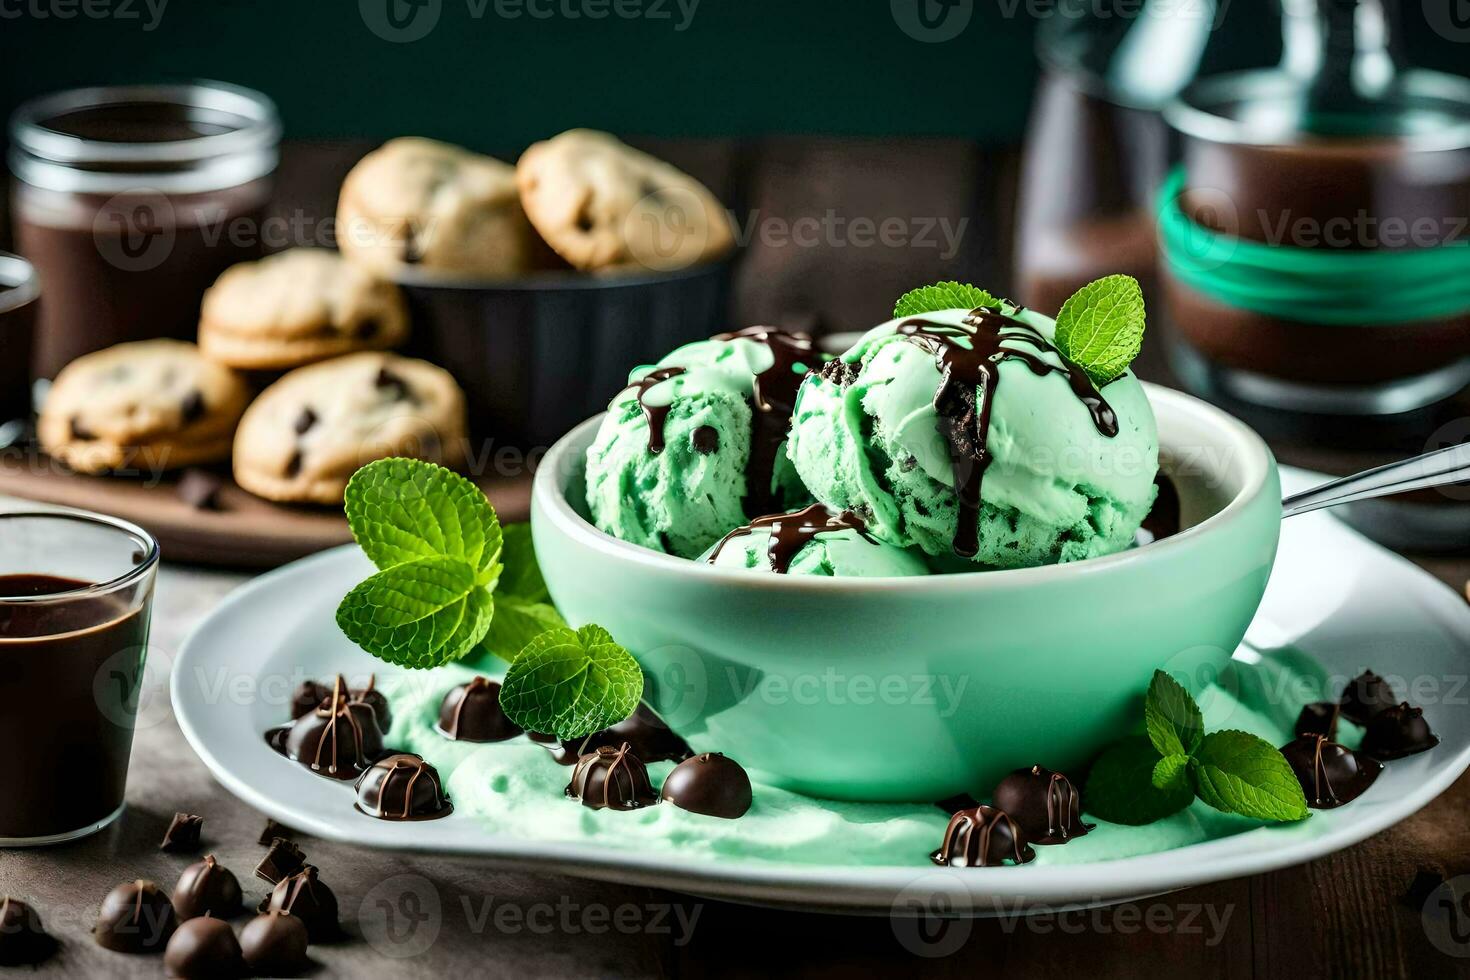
<point x="538" y="355"/>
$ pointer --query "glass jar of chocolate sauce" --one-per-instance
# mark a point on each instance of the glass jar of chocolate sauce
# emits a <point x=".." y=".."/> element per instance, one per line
<point x="75" y="596"/>
<point x="131" y="200"/>
<point x="1355" y="173"/>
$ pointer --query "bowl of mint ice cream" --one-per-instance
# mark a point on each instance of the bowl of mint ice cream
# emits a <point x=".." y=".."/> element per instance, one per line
<point x="903" y="571"/>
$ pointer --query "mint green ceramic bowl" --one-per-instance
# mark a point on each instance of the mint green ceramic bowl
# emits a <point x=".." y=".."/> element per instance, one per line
<point x="918" y="689"/>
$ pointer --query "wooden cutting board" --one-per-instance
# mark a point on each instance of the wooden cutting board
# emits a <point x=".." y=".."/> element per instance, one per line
<point x="241" y="531"/>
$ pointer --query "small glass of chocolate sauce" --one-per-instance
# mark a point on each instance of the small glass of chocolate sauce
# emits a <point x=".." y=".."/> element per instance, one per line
<point x="131" y="201"/>
<point x="76" y="591"/>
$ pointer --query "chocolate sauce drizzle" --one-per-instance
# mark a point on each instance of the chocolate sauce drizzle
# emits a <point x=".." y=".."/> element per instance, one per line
<point x="773" y="400"/>
<point x="655" y="415"/>
<point x="773" y="397"/>
<point x="969" y="357"/>
<point x="792" y="532"/>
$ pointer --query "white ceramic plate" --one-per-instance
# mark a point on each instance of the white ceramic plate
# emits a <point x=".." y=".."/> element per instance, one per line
<point x="1334" y="596"/>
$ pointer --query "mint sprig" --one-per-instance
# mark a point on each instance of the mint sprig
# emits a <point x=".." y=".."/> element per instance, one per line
<point x="1142" y="779"/>
<point x="943" y="296"/>
<point x="572" y="683"/>
<point x="452" y="581"/>
<point x="1100" y="328"/>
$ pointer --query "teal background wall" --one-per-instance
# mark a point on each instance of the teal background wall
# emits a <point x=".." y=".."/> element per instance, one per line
<point x="737" y="67"/>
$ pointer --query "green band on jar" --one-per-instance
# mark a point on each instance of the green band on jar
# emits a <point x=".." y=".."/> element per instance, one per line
<point x="1312" y="285"/>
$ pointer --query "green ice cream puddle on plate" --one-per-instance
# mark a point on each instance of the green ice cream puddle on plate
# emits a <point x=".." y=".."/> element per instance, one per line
<point x="515" y="788"/>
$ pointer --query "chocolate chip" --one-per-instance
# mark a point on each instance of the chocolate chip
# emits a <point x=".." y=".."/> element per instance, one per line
<point x="200" y="489"/>
<point x="293" y="465"/>
<point x="182" y="835"/>
<point x="386" y="379"/>
<point x="706" y="440"/>
<point x="80" y="432"/>
<point x="283" y="860"/>
<point x="271" y="832"/>
<point x="305" y="420"/>
<point x="192" y="407"/>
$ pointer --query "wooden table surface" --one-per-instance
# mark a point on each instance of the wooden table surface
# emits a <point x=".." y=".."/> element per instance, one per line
<point x="1343" y="916"/>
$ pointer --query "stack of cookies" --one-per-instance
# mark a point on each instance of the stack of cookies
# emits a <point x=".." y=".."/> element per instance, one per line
<point x="344" y="400"/>
<point x="316" y="327"/>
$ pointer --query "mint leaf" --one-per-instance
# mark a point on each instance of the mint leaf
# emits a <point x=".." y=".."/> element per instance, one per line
<point x="405" y="509"/>
<point x="571" y="684"/>
<point x="420" y="614"/>
<point x="522" y="576"/>
<point x="1173" y="720"/>
<point x="1172" y="772"/>
<point x="1100" y="328"/>
<point x="517" y="622"/>
<point x="1121" y="789"/>
<point x="943" y="296"/>
<point x="1236" y="772"/>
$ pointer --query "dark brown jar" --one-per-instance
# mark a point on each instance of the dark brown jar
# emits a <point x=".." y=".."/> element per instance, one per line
<point x="131" y="200"/>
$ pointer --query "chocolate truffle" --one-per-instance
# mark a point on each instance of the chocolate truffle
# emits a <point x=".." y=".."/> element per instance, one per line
<point x="136" y="917"/>
<point x="1043" y="803"/>
<point x="711" y="784"/>
<point x="472" y="713"/>
<point x="1365" y="696"/>
<point x="612" y="778"/>
<point x="1318" y="718"/>
<point x="274" y="944"/>
<point x="282" y="861"/>
<point x="304" y="896"/>
<point x="651" y="739"/>
<point x="182" y="835"/>
<point x="307" y="696"/>
<point x="206" y="888"/>
<point x="23" y="940"/>
<point x="402" y="787"/>
<point x="982" y="837"/>
<point x="339" y="738"/>
<point x="1330" y="774"/>
<point x="1398" y="731"/>
<point x="203" y="949"/>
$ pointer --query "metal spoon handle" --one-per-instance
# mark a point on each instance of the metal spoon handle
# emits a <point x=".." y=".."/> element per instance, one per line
<point x="1434" y="469"/>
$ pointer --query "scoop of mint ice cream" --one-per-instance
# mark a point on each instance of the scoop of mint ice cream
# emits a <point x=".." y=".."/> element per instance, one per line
<point x="866" y="438"/>
<point x="685" y="497"/>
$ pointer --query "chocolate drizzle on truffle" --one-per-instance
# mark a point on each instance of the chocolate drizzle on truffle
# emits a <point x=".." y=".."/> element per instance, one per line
<point x="1044" y="803"/>
<point x="655" y="415"/>
<point x="1330" y="774"/>
<point x="772" y="402"/>
<point x="792" y="532"/>
<point x="611" y="778"/>
<point x="339" y="739"/>
<point x="136" y="917"/>
<point x="304" y="896"/>
<point x="969" y="357"/>
<point x="402" y="787"/>
<point x="982" y="837"/>
<point x="207" y="888"/>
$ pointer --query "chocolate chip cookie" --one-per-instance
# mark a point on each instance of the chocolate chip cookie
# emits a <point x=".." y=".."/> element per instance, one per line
<point x="604" y="205"/>
<point x="439" y="208"/>
<point x="297" y="307"/>
<point x="143" y="407"/>
<point x="305" y="436"/>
